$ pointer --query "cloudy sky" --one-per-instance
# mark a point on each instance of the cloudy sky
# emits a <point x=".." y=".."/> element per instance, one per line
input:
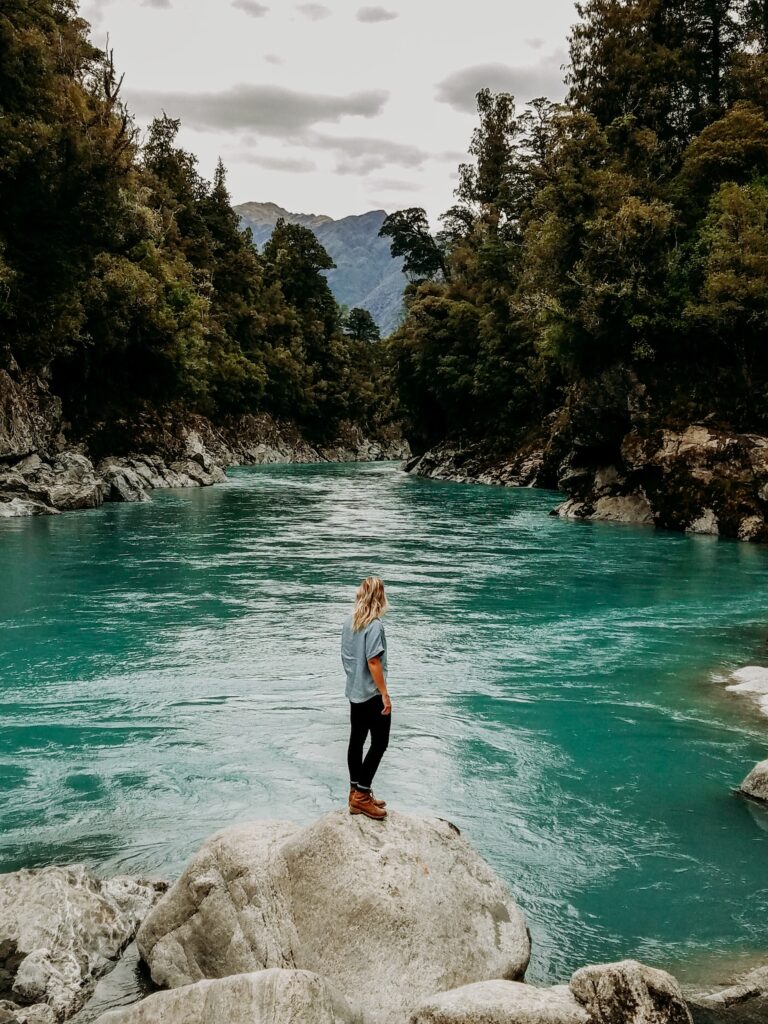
<point x="336" y="107"/>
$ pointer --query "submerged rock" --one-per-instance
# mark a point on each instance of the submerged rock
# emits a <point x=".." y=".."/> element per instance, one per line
<point x="755" y="786"/>
<point x="628" y="992"/>
<point x="501" y="1002"/>
<point x="744" y="1002"/>
<point x="273" y="996"/>
<point x="405" y="903"/>
<point x="60" y="928"/>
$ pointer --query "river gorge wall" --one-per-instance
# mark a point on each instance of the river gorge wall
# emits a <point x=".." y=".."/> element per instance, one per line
<point x="619" y="457"/>
<point x="42" y="472"/>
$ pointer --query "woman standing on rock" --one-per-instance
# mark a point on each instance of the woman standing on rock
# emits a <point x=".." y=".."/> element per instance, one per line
<point x="364" y="657"/>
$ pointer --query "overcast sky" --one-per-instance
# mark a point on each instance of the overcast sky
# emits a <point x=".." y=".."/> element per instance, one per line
<point x="337" y="107"/>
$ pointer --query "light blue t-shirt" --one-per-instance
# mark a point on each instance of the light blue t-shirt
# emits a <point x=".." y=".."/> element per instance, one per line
<point x="356" y="650"/>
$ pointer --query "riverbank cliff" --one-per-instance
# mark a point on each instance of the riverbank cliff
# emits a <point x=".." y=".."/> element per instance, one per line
<point x="618" y="456"/>
<point x="44" y="471"/>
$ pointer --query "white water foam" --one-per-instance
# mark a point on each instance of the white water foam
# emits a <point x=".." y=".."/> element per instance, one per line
<point x="752" y="680"/>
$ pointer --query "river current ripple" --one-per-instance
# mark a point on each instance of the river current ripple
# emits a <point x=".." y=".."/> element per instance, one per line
<point x="167" y="669"/>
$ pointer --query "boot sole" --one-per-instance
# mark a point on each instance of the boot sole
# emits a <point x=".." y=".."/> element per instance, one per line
<point x="373" y="817"/>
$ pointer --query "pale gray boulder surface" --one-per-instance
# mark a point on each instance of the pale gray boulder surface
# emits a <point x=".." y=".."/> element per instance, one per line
<point x="501" y="1002"/>
<point x="388" y="912"/>
<point x="628" y="992"/>
<point x="756" y="783"/>
<point x="266" y="997"/>
<point x="60" y="929"/>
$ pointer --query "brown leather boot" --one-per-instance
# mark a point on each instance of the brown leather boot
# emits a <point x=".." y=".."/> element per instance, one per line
<point x="379" y="803"/>
<point x="361" y="803"/>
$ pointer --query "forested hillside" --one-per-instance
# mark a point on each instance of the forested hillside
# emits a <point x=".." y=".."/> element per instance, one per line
<point x="124" y="276"/>
<point x="628" y="226"/>
<point x="605" y="267"/>
<point x="364" y="276"/>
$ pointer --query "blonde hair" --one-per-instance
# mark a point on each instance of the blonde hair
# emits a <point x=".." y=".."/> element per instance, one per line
<point x="370" y="603"/>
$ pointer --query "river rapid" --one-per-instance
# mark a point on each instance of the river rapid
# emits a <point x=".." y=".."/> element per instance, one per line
<point x="167" y="669"/>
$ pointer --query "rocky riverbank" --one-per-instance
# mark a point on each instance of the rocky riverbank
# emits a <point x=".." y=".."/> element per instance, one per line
<point x="619" y="459"/>
<point x="41" y="473"/>
<point x="346" y="921"/>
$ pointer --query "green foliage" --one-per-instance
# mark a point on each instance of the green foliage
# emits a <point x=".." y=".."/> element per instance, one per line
<point x="124" y="273"/>
<point x="625" y="228"/>
<point x="360" y="325"/>
<point x="411" y="239"/>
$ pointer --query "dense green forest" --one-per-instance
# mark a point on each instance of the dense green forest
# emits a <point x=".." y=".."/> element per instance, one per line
<point x="626" y="227"/>
<point x="124" y="276"/>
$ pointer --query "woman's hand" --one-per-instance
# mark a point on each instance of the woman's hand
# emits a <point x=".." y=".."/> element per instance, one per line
<point x="387" y="704"/>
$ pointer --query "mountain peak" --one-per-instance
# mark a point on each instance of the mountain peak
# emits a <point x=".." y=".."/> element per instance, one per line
<point x="268" y="214"/>
<point x="366" y="275"/>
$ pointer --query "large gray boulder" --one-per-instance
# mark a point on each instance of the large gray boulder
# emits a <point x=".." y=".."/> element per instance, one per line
<point x="501" y="1002"/>
<point x="60" y="928"/>
<point x="405" y="904"/>
<point x="266" y="997"/>
<point x="755" y="785"/>
<point x="629" y="992"/>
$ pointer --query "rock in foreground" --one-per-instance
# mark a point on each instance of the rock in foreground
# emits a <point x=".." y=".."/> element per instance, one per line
<point x="501" y="1002"/>
<point x="59" y="930"/>
<point x="406" y="904"/>
<point x="755" y="785"/>
<point x="266" y="997"/>
<point x="628" y="992"/>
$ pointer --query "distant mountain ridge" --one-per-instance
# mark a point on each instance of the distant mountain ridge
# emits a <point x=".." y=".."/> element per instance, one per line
<point x="366" y="275"/>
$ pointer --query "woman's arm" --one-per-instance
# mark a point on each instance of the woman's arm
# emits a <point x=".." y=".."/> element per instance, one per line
<point x="377" y="674"/>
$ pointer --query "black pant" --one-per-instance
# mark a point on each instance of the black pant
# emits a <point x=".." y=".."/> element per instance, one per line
<point x="367" y="718"/>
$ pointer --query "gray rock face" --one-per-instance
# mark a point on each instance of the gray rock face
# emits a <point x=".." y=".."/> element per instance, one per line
<point x="501" y="1002"/>
<point x="408" y="898"/>
<point x="744" y="1002"/>
<point x="475" y="464"/>
<point x="628" y="992"/>
<point x="266" y="997"/>
<point x="60" y="928"/>
<point x="30" y="417"/>
<point x="755" y="785"/>
<point x="34" y="487"/>
<point x="194" y="456"/>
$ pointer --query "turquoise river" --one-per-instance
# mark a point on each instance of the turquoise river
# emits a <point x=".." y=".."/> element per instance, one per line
<point x="172" y="667"/>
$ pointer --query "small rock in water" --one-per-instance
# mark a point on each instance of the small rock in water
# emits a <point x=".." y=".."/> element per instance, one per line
<point x="755" y="785"/>
<point x="744" y="1002"/>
